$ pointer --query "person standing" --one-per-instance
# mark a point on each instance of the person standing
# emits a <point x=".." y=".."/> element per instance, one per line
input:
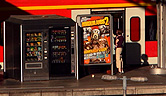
<point x="119" y="47"/>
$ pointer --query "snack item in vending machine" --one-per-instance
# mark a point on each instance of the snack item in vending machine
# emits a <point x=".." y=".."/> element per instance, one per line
<point x="30" y="53"/>
<point x="36" y="53"/>
<point x="39" y="34"/>
<point x="35" y="39"/>
<point x="32" y="59"/>
<point x="27" y="44"/>
<point x="38" y="39"/>
<point x="32" y="34"/>
<point x="35" y="59"/>
<point x="39" y="58"/>
<point x="28" y="59"/>
<point x="27" y="39"/>
<point x="27" y="54"/>
<point x="31" y="38"/>
<point x="27" y="34"/>
<point x="33" y="53"/>
<point x="35" y="34"/>
<point x="28" y="49"/>
<point x="35" y="49"/>
<point x="31" y="44"/>
<point x="39" y="43"/>
<point x="31" y="48"/>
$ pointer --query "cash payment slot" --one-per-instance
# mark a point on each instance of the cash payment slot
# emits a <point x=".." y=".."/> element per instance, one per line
<point x="94" y="41"/>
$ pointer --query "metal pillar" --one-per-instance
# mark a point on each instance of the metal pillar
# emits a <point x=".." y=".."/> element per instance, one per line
<point x="124" y="85"/>
<point x="160" y="36"/>
<point x="161" y="21"/>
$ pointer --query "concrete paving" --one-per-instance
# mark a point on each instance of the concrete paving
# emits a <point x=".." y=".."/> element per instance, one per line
<point x="88" y="85"/>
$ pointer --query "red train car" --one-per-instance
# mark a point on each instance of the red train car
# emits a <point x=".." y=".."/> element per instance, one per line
<point x="137" y="19"/>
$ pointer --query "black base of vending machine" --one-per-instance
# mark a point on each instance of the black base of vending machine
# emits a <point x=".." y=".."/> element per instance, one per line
<point x="37" y="47"/>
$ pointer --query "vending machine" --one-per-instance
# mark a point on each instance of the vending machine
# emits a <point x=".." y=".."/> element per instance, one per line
<point x="37" y="47"/>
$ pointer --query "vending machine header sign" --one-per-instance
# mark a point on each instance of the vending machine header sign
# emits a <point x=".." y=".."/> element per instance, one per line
<point x="96" y="39"/>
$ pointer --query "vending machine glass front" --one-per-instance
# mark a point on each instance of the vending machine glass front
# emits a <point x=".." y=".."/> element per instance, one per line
<point x="33" y="49"/>
<point x="60" y="56"/>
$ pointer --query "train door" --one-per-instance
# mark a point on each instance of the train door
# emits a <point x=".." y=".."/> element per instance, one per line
<point x="118" y="22"/>
<point x="132" y="22"/>
<point x="1" y="45"/>
<point x="135" y="35"/>
<point x="118" y="18"/>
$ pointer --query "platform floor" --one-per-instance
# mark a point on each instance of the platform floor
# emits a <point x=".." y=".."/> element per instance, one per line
<point x="88" y="85"/>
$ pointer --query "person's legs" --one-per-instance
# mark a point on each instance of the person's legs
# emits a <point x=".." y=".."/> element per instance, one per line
<point x="118" y="59"/>
<point x="121" y="64"/>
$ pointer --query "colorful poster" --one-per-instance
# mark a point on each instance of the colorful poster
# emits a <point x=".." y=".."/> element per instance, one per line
<point x="96" y="39"/>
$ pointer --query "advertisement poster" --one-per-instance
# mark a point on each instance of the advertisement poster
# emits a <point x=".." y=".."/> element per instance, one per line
<point x="96" y="39"/>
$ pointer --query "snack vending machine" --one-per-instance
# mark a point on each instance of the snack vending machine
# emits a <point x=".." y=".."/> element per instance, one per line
<point x="37" y="47"/>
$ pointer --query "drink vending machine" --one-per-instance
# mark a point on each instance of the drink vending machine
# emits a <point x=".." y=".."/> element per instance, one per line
<point x="38" y="47"/>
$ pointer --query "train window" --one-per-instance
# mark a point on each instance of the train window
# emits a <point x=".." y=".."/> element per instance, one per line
<point x="135" y="29"/>
<point x="151" y="28"/>
<point x="1" y="34"/>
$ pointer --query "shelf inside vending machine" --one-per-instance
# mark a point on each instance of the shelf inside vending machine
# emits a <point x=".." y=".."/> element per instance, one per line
<point x="60" y="62"/>
<point x="33" y="47"/>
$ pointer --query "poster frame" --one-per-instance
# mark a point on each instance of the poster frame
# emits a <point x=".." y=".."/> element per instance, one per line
<point x="78" y="20"/>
